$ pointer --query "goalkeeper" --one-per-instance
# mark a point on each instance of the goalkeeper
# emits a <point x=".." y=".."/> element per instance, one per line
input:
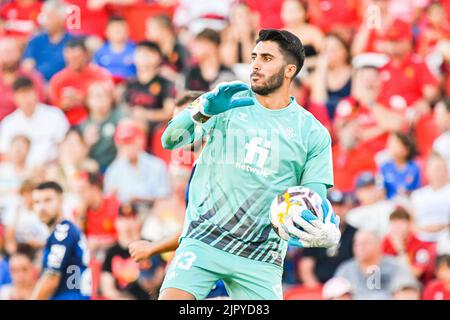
<point x="259" y="143"/>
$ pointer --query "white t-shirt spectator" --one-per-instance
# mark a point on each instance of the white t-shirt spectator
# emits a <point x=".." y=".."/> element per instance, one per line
<point x="431" y="207"/>
<point x="377" y="283"/>
<point x="442" y="146"/>
<point x="26" y="224"/>
<point x="374" y="217"/>
<point x="45" y="129"/>
<point x="147" y="180"/>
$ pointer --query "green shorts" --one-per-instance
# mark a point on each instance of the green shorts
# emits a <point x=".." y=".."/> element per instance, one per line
<point x="197" y="266"/>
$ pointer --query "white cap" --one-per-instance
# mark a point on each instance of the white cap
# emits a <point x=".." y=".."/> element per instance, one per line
<point x="336" y="287"/>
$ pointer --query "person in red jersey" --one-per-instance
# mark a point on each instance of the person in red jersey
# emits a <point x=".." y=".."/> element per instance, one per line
<point x="20" y="17"/>
<point x="439" y="289"/>
<point x="402" y="242"/>
<point x="68" y="88"/>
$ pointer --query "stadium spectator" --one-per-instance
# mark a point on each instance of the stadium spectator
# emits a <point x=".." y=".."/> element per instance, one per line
<point x="442" y="119"/>
<point x="23" y="275"/>
<point x="44" y="52"/>
<point x="406" y="80"/>
<point x="439" y="289"/>
<point x="72" y="158"/>
<point x="116" y="54"/>
<point x="402" y="242"/>
<point x="96" y="213"/>
<point x="239" y="37"/>
<point x="10" y="70"/>
<point x="294" y="17"/>
<point x="433" y="28"/>
<point x="44" y="125"/>
<point x="68" y="88"/>
<point x="372" y="212"/>
<point x="135" y="176"/>
<point x="98" y="130"/>
<point x="332" y="79"/>
<point x="431" y="203"/>
<point x="337" y="289"/>
<point x="13" y="169"/>
<point x="375" y="120"/>
<point x="209" y="70"/>
<point x="350" y="157"/>
<point x="160" y="30"/>
<point x="20" y="17"/>
<point x="149" y="96"/>
<point x="318" y="265"/>
<point x="371" y="274"/>
<point x="335" y="15"/>
<point x="121" y="277"/>
<point x="401" y="175"/>
<point x="406" y="288"/>
<point x="168" y="213"/>
<point x="22" y="225"/>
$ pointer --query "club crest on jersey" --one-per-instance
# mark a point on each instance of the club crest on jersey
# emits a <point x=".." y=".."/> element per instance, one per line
<point x="61" y="231"/>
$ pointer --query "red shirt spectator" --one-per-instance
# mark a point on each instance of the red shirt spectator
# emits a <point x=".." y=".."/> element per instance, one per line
<point x="332" y="14"/>
<point x="436" y="290"/>
<point x="403" y="82"/>
<point x="20" y="17"/>
<point x="100" y="222"/>
<point x="420" y="254"/>
<point x="68" y="88"/>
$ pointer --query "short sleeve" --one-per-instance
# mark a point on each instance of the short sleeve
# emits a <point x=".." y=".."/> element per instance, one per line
<point x="319" y="165"/>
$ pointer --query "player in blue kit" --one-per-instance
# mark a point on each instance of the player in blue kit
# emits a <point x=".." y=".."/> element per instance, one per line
<point x="65" y="273"/>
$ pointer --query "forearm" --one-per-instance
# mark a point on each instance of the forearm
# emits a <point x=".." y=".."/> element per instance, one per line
<point x="179" y="132"/>
<point x="45" y="287"/>
<point x="167" y="245"/>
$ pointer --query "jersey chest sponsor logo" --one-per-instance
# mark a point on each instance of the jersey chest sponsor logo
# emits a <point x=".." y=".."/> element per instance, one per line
<point x="257" y="152"/>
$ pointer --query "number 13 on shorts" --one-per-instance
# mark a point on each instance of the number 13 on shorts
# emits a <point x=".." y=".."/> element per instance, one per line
<point x="182" y="261"/>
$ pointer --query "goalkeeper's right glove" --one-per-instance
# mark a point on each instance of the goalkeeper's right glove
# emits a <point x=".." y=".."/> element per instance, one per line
<point x="219" y="100"/>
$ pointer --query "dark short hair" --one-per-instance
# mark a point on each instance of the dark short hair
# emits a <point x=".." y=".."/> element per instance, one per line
<point x="78" y="42"/>
<point x="116" y="18"/>
<point x="408" y="143"/>
<point x="400" y="213"/>
<point x="443" y="259"/>
<point x="22" y="83"/>
<point x="210" y="35"/>
<point x="188" y="96"/>
<point x="290" y="46"/>
<point x="50" y="185"/>
<point x="163" y="20"/>
<point x="446" y="102"/>
<point x="24" y="249"/>
<point x="150" y="45"/>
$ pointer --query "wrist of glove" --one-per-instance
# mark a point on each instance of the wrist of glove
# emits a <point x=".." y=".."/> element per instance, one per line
<point x="219" y="100"/>
<point x="314" y="233"/>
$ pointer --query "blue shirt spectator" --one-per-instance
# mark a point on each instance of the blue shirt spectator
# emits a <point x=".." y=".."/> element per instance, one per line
<point x="5" y="277"/>
<point x="400" y="180"/>
<point x="119" y="64"/>
<point x="47" y="55"/>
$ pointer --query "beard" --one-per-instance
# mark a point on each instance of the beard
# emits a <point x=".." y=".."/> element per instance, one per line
<point x="10" y="67"/>
<point x="272" y="84"/>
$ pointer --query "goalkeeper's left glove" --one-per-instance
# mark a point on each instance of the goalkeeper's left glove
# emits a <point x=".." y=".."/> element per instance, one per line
<point x="315" y="233"/>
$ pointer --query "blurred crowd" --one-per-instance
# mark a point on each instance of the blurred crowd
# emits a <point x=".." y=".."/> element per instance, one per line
<point x="87" y="88"/>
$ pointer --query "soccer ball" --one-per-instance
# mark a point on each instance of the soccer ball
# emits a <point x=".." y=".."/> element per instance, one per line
<point x="290" y="203"/>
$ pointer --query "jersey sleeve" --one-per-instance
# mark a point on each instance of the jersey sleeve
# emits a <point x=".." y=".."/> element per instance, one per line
<point x="319" y="165"/>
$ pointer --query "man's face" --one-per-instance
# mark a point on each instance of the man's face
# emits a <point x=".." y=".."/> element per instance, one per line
<point x="9" y="54"/>
<point x="146" y="59"/>
<point x="21" y="269"/>
<point x="47" y="204"/>
<point x="269" y="68"/>
<point x="128" y="229"/>
<point x="19" y="151"/>
<point x="442" y="116"/>
<point x="26" y="99"/>
<point x="366" y="246"/>
<point x="399" y="228"/>
<point x="117" y="31"/>
<point x="51" y="20"/>
<point x="75" y="57"/>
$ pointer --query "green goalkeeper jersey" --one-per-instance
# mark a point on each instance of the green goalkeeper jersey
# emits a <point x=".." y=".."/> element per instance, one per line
<point x="252" y="154"/>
